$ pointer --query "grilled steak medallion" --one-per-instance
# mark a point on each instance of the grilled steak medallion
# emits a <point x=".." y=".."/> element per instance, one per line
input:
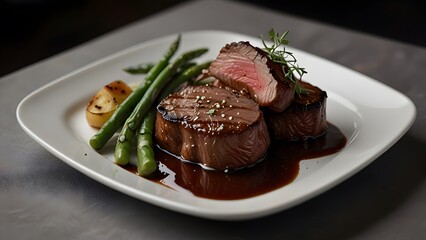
<point x="304" y="119"/>
<point x="214" y="126"/>
<point x="244" y="67"/>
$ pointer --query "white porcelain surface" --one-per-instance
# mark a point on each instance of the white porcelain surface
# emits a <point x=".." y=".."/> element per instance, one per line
<point x="371" y="115"/>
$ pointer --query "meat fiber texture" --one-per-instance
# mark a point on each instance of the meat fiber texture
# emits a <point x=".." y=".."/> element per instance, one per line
<point x="244" y="67"/>
<point x="213" y="126"/>
<point x="304" y="119"/>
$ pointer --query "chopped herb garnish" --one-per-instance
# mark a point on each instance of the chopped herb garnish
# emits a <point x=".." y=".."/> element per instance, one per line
<point x="211" y="111"/>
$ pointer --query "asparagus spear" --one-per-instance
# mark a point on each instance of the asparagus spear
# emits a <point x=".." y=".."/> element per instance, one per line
<point x="145" y="151"/>
<point x="139" y="69"/>
<point x="125" y="109"/>
<point x="125" y="138"/>
<point x="145" y="147"/>
<point x="185" y="76"/>
<point x="145" y="68"/>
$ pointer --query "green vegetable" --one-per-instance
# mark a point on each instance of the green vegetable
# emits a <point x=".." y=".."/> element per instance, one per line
<point x="122" y="149"/>
<point x="145" y="151"/>
<point x="187" y="75"/>
<point x="139" y="69"/>
<point x="185" y="66"/>
<point x="145" y="148"/>
<point x="125" y="109"/>
<point x="204" y="81"/>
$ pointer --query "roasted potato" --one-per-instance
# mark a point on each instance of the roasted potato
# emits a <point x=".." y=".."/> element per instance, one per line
<point x="102" y="105"/>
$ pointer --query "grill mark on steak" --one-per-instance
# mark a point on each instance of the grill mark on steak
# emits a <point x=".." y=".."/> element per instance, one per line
<point x="304" y="119"/>
<point x="244" y="67"/>
<point x="234" y="136"/>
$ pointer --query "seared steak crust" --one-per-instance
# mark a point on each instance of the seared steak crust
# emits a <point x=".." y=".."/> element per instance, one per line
<point x="213" y="126"/>
<point x="304" y="119"/>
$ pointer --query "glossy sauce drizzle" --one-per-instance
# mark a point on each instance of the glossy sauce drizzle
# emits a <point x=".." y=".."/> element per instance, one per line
<point x="280" y="168"/>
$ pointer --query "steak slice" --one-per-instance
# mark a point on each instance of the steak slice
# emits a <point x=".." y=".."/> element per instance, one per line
<point x="244" y="67"/>
<point x="213" y="126"/>
<point x="304" y="119"/>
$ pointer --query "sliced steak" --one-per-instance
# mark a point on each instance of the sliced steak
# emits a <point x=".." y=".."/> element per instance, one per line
<point x="244" y="67"/>
<point x="213" y="126"/>
<point x="304" y="119"/>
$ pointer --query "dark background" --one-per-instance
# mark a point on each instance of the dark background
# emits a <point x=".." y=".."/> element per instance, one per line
<point x="32" y="30"/>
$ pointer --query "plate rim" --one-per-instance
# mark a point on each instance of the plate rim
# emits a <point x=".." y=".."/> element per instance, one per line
<point x="178" y="206"/>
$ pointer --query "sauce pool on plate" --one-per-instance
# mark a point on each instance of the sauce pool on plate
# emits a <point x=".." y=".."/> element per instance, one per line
<point x="279" y="168"/>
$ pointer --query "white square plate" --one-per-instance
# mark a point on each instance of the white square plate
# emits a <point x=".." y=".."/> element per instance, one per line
<point x="371" y="115"/>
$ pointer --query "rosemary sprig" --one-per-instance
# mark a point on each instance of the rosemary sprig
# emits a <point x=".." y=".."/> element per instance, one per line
<point x="283" y="57"/>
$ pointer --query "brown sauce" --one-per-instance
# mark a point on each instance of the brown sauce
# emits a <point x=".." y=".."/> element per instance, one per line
<point x="280" y="168"/>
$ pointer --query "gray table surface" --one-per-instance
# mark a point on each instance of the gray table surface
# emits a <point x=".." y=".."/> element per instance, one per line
<point x="43" y="198"/>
